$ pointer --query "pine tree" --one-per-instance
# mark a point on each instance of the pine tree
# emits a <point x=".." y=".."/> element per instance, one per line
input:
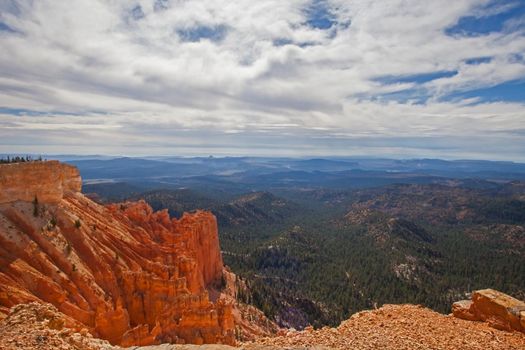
<point x="35" y="207"/>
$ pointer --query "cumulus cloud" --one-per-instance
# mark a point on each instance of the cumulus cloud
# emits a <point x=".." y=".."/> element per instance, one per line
<point x="302" y="77"/>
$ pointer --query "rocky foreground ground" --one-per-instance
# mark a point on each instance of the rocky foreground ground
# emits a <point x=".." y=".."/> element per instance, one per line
<point x="399" y="327"/>
<point x="41" y="326"/>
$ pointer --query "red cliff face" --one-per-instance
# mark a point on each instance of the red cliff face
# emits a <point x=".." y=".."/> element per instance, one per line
<point x="48" y="181"/>
<point x="129" y="275"/>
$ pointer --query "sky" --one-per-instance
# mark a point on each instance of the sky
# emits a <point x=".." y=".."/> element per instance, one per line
<point x="397" y="78"/>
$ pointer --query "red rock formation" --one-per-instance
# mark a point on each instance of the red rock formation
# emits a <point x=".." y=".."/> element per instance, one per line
<point x="48" y="181"/>
<point x="500" y="310"/>
<point x="41" y="326"/>
<point x="131" y="276"/>
<point x="250" y="322"/>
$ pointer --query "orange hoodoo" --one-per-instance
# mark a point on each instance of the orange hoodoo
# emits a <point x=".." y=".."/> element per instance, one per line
<point x="128" y="274"/>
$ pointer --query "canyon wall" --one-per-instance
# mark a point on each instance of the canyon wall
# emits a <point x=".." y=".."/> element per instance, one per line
<point x="46" y="180"/>
<point x="127" y="274"/>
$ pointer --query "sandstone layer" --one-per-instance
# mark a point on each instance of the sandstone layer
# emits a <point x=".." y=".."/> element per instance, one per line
<point x="500" y="310"/>
<point x="48" y="181"/>
<point x="127" y="274"/>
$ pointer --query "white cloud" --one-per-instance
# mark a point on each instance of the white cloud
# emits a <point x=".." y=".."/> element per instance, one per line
<point x="271" y="74"/>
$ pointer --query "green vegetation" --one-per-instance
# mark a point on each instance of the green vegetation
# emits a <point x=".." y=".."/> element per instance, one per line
<point x="316" y="256"/>
<point x="35" y="207"/>
<point x="319" y="267"/>
<point x="504" y="210"/>
<point x="328" y="273"/>
<point x="68" y="249"/>
<point x="78" y="223"/>
<point x="19" y="159"/>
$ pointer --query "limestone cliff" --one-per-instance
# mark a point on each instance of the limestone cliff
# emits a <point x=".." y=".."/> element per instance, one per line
<point x="129" y="275"/>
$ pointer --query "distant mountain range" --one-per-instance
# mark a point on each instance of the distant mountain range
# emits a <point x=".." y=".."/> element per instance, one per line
<point x="231" y="176"/>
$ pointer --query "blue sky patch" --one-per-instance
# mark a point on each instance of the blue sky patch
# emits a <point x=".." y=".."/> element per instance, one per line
<point x="160" y="5"/>
<point x="517" y="58"/>
<point x="15" y="111"/>
<point x="415" y="78"/>
<point x="5" y="28"/>
<point x="512" y="91"/>
<point x="413" y="96"/>
<point x="506" y="20"/>
<point x="137" y="13"/>
<point x="30" y="112"/>
<point x="282" y="42"/>
<point x="319" y="16"/>
<point x="215" y="34"/>
<point x="478" y="60"/>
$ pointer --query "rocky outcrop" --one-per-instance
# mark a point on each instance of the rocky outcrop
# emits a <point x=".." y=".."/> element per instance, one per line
<point x="500" y="310"/>
<point x="42" y="326"/>
<point x="250" y="322"/>
<point x="48" y="181"/>
<point x="394" y="327"/>
<point x="127" y="274"/>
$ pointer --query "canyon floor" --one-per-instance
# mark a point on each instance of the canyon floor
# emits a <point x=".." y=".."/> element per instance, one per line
<point x="41" y="326"/>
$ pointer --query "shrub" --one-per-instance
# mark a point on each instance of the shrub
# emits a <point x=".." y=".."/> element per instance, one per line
<point x="35" y="207"/>
<point x="68" y="248"/>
